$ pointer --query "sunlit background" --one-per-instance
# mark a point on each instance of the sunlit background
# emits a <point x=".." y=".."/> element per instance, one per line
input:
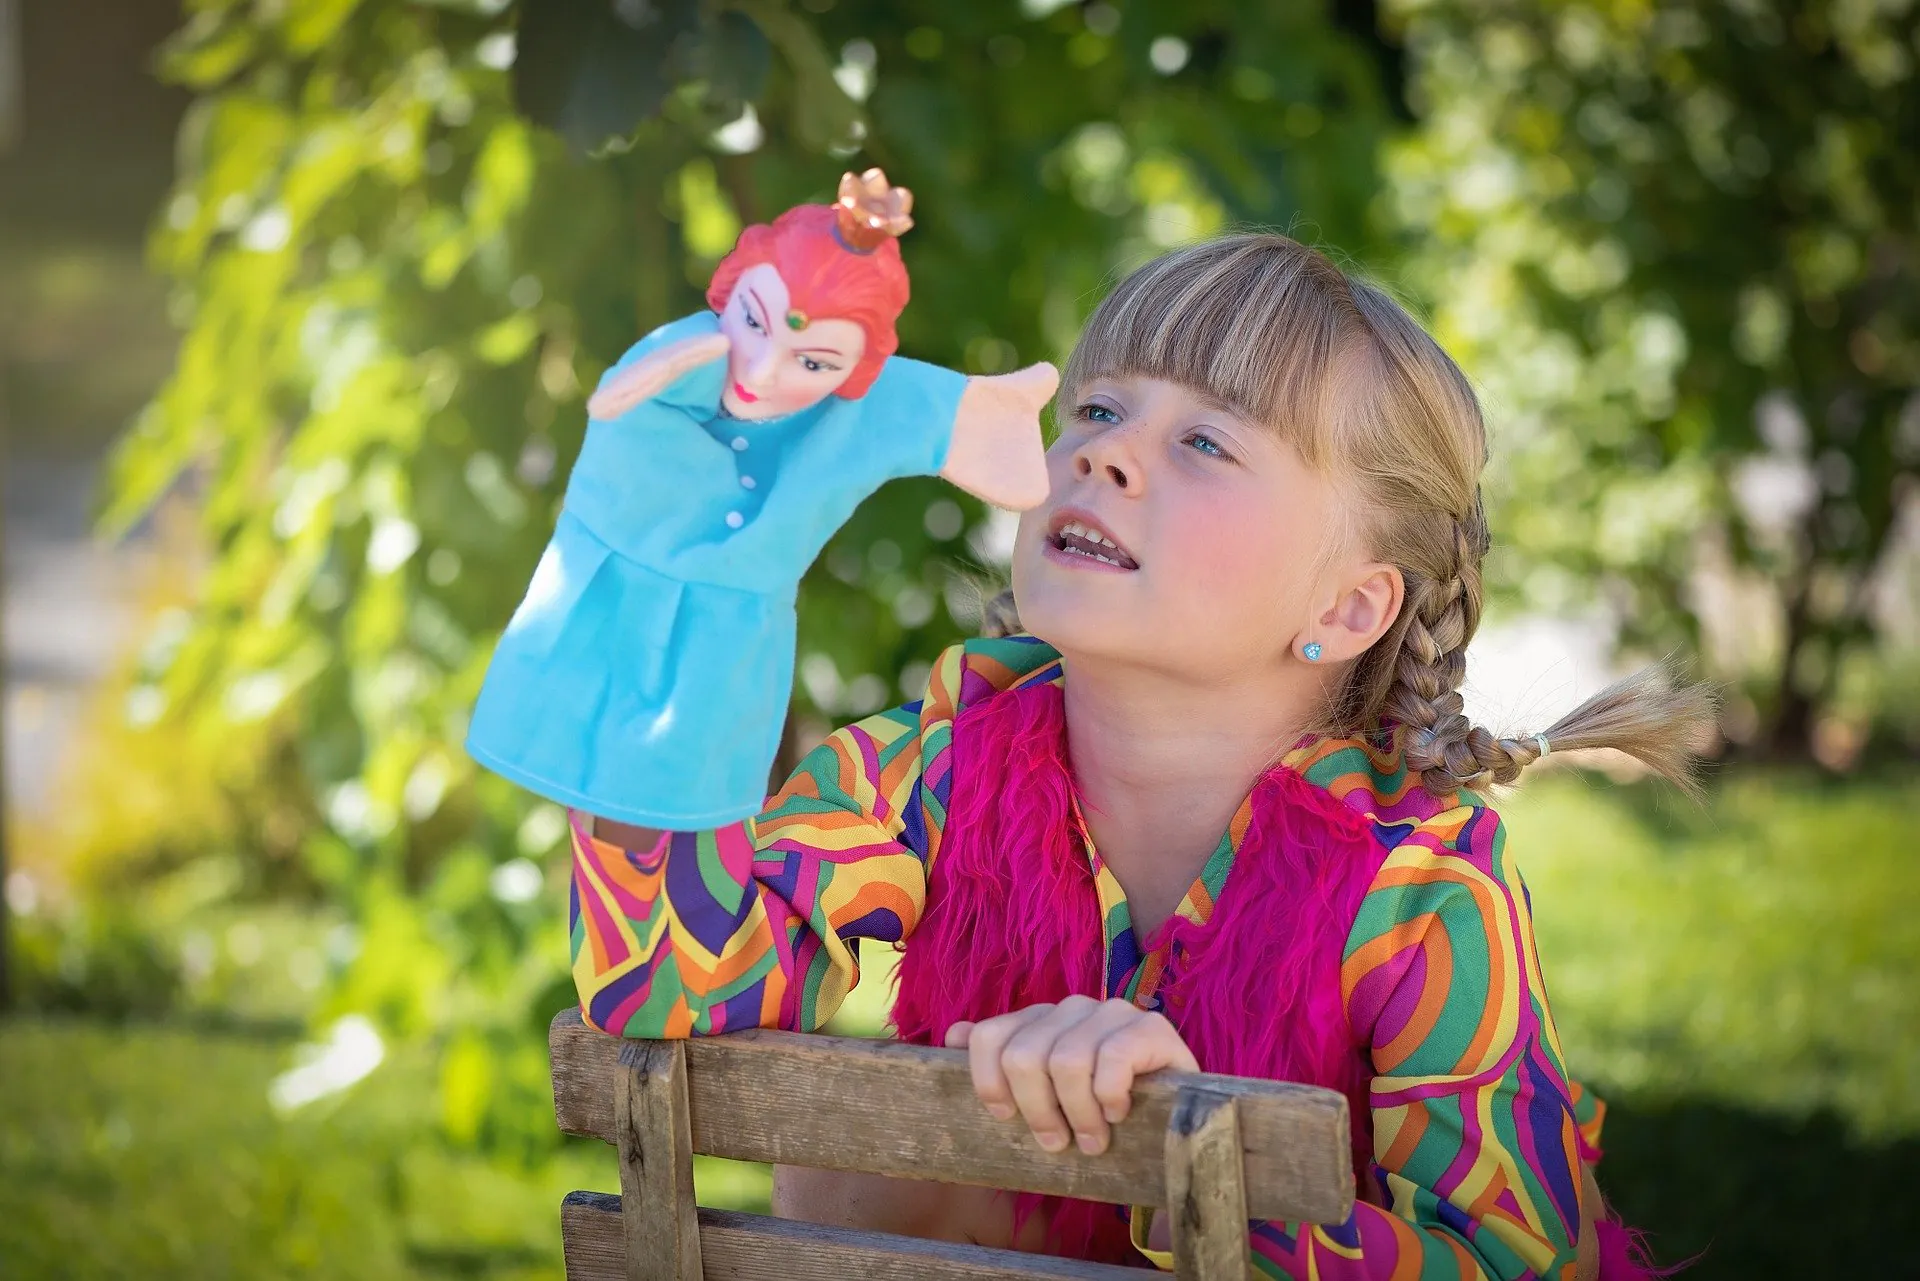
<point x="297" y="302"/>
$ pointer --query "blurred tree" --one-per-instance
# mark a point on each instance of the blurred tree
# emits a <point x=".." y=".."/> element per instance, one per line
<point x="394" y="286"/>
<point x="1678" y="243"/>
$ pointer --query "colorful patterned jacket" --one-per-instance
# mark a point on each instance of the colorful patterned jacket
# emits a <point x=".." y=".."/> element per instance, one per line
<point x="1477" y="1135"/>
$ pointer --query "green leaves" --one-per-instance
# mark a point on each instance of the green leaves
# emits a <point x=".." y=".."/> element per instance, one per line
<point x="594" y="70"/>
<point x="1683" y="261"/>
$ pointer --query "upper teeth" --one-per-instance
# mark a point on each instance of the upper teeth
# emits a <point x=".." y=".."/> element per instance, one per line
<point x="1076" y="529"/>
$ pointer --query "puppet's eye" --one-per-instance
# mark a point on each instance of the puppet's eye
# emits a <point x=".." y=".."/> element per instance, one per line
<point x="752" y="322"/>
<point x="811" y="365"/>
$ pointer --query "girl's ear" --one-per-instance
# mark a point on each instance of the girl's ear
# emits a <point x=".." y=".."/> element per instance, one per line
<point x="1362" y="612"/>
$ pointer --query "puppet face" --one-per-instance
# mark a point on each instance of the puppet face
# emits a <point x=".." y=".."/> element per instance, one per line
<point x="782" y="361"/>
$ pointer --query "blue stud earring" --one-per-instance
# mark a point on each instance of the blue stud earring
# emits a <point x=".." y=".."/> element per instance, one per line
<point x="1312" y="651"/>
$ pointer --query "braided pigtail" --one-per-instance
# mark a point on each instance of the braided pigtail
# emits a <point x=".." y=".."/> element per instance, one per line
<point x="999" y="617"/>
<point x="1650" y="716"/>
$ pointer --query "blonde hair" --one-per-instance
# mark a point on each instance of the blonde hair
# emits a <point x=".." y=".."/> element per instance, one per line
<point x="1283" y="337"/>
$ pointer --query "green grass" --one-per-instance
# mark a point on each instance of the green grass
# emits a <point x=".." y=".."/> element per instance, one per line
<point x="1761" y="951"/>
<point x="1734" y="980"/>
<point x="152" y="1152"/>
<point x="1739" y="983"/>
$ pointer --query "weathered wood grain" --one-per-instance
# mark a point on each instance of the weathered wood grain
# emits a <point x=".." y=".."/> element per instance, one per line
<point x="655" y="1138"/>
<point x="1206" y="1188"/>
<point x="847" y="1104"/>
<point x="752" y="1247"/>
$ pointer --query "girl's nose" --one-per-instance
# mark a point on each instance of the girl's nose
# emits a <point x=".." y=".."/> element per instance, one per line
<point x="1111" y="453"/>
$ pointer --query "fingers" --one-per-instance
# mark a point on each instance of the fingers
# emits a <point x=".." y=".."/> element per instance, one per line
<point x="1027" y="1064"/>
<point x="1147" y="1044"/>
<point x="986" y="1041"/>
<point x="1068" y="1069"/>
<point x="1072" y="1063"/>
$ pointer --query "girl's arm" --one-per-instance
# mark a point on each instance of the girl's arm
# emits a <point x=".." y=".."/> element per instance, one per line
<point x="696" y="933"/>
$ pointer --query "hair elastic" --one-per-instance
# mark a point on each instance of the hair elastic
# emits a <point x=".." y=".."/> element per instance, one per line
<point x="1540" y="741"/>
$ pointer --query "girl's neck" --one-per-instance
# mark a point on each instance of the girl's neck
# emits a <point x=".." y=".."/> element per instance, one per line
<point x="1162" y="763"/>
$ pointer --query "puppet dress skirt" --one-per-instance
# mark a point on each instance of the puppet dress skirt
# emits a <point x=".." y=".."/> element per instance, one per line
<point x="613" y="684"/>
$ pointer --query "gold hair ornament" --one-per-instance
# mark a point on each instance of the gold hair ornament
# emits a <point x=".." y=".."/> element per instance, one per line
<point x="869" y="212"/>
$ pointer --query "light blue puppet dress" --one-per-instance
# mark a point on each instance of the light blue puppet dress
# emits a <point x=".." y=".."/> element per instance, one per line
<point x="645" y="676"/>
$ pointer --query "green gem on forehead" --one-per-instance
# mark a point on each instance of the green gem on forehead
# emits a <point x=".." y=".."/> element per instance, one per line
<point x="796" y="320"/>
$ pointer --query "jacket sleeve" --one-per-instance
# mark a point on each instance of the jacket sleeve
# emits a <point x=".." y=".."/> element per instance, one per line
<point x="749" y="924"/>
<point x="1477" y="1144"/>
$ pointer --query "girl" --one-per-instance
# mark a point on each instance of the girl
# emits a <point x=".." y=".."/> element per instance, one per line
<point x="1214" y="808"/>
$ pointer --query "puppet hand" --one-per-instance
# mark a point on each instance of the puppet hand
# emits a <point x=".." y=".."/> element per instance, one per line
<point x="1068" y="1067"/>
<point x="996" y="452"/>
<point x="653" y="373"/>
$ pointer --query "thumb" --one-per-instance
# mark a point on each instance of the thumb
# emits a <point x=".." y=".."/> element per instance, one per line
<point x="1037" y="382"/>
<point x="959" y="1035"/>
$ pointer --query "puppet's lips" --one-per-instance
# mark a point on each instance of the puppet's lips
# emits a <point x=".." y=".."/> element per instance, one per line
<point x="745" y="396"/>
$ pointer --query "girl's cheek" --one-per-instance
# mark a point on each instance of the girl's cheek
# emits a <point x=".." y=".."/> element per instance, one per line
<point x="1220" y="542"/>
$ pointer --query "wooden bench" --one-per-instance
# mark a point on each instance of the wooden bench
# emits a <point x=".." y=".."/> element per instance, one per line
<point x="1218" y="1149"/>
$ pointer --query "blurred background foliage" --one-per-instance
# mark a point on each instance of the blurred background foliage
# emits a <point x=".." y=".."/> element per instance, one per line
<point x="285" y="957"/>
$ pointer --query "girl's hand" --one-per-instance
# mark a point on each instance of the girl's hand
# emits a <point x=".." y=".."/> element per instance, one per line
<point x="1068" y="1069"/>
<point x="996" y="453"/>
<point x="653" y="373"/>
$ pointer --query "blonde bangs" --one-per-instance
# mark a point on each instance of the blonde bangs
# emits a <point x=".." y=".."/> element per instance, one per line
<point x="1256" y="322"/>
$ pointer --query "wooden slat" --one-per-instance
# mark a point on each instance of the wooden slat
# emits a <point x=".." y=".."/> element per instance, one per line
<point x="842" y="1103"/>
<point x="1206" y="1188"/>
<point x="752" y="1247"/>
<point x="656" y="1162"/>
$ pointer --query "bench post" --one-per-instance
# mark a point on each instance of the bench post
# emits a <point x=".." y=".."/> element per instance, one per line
<point x="1206" y="1186"/>
<point x="653" y="1123"/>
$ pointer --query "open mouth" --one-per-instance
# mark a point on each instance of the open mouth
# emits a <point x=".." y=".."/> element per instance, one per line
<point x="745" y="397"/>
<point x="1076" y="534"/>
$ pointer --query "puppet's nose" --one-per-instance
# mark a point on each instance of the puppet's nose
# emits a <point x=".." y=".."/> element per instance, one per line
<point x="761" y="368"/>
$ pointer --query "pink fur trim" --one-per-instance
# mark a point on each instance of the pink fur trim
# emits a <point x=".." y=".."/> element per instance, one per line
<point x="1624" y="1255"/>
<point x="1013" y="919"/>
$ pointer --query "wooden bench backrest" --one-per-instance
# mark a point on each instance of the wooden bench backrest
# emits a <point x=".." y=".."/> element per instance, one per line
<point x="1219" y="1149"/>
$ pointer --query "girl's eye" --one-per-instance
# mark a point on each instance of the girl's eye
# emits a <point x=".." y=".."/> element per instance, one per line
<point x="1208" y="446"/>
<point x="811" y="365"/>
<point x="1094" y="413"/>
<point x="752" y="322"/>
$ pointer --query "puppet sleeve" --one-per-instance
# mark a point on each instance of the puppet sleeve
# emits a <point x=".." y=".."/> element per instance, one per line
<point x="1477" y="1167"/>
<point x="911" y="408"/>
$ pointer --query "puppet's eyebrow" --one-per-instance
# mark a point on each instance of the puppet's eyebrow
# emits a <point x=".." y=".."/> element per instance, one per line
<point x="820" y="351"/>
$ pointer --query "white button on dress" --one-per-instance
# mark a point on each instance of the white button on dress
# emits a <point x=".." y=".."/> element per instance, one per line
<point x="735" y="520"/>
<point x="739" y="443"/>
<point x="747" y="482"/>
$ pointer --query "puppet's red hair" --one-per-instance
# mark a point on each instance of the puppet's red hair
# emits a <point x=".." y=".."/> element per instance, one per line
<point x="826" y="280"/>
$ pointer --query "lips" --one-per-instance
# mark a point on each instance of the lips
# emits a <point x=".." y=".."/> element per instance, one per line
<point x="745" y="397"/>
<point x="1076" y="535"/>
